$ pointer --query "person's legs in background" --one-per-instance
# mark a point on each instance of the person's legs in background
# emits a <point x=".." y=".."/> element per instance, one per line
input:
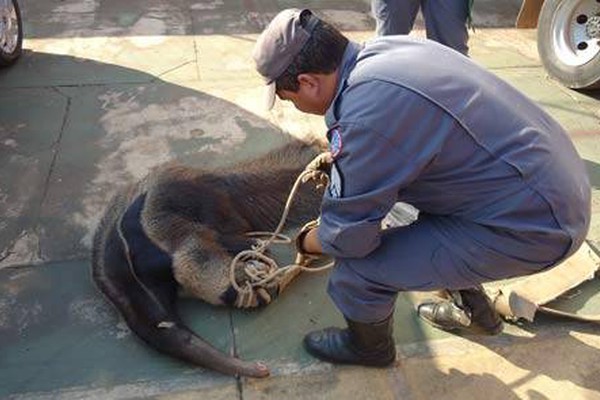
<point x="446" y="23"/>
<point x="394" y="17"/>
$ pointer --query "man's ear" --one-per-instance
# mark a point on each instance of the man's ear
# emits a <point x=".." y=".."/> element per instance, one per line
<point x="308" y="80"/>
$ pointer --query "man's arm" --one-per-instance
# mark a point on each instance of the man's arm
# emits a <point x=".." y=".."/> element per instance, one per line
<point x="383" y="145"/>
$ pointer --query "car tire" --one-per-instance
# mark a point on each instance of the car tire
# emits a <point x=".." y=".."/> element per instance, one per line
<point x="568" y="40"/>
<point x="11" y="32"/>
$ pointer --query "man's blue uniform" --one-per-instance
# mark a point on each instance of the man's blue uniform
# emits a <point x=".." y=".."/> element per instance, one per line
<point x="500" y="188"/>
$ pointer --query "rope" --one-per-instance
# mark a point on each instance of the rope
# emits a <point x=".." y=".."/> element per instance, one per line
<point x="261" y="270"/>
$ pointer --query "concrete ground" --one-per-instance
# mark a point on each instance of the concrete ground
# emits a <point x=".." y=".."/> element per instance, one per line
<point x="107" y="89"/>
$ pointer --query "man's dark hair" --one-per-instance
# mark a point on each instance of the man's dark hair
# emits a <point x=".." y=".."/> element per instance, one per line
<point x="321" y="54"/>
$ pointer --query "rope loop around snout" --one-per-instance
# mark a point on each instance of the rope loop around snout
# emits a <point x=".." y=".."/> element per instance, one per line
<point x="261" y="272"/>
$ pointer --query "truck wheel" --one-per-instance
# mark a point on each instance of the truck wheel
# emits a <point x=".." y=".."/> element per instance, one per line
<point x="11" y="32"/>
<point x="568" y="39"/>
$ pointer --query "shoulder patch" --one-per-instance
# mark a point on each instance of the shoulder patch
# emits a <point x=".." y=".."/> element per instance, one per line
<point x="335" y="142"/>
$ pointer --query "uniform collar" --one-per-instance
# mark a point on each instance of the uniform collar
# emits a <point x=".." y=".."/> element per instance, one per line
<point x="347" y="65"/>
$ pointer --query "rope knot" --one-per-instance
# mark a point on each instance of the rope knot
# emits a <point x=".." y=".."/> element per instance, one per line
<point x="260" y="272"/>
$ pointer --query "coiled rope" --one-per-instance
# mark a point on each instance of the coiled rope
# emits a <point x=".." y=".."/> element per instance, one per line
<point x="261" y="271"/>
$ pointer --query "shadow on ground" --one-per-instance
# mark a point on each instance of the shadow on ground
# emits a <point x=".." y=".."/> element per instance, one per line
<point x="106" y="18"/>
<point x="63" y="19"/>
<point x="65" y="149"/>
<point x="513" y="367"/>
<point x="73" y="145"/>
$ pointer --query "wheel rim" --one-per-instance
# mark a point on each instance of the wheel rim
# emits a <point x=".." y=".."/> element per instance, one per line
<point x="9" y="27"/>
<point x="575" y="32"/>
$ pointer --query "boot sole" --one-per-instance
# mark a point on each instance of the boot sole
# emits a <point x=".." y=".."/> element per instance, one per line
<point x="496" y="330"/>
<point x="376" y="363"/>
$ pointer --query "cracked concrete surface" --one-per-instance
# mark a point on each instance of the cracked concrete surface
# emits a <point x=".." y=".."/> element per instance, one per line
<point x="105" y="91"/>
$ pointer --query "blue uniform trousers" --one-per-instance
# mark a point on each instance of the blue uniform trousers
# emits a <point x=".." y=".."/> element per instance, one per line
<point x="418" y="257"/>
<point x="445" y="20"/>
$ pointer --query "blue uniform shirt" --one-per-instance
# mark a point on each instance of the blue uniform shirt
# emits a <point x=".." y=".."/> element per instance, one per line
<point x="414" y="121"/>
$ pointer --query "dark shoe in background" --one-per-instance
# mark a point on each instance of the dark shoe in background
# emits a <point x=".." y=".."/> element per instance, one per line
<point x="467" y="310"/>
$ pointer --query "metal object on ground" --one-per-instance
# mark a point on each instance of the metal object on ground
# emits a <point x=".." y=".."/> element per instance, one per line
<point x="523" y="298"/>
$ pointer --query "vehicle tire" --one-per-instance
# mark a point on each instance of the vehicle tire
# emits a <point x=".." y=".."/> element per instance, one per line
<point x="568" y="40"/>
<point x="11" y="32"/>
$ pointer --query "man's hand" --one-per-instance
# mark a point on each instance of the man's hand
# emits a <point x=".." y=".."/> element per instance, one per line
<point x="318" y="169"/>
<point x="302" y="255"/>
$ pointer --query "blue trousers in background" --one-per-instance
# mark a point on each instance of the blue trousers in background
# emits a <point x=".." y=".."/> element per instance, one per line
<point x="445" y="20"/>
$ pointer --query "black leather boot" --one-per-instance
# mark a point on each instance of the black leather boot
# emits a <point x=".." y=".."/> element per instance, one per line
<point x="361" y="343"/>
<point x="469" y="310"/>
